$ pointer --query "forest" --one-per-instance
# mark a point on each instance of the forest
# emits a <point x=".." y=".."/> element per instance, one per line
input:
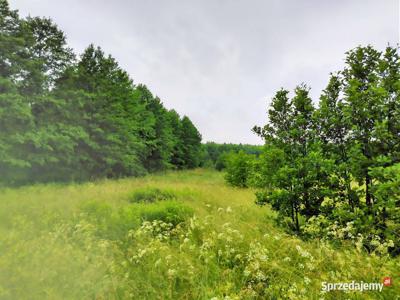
<point x="64" y="118"/>
<point x="105" y="193"/>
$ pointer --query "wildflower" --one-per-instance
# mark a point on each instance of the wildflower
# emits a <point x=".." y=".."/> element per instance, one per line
<point x="171" y="273"/>
<point x="260" y="276"/>
<point x="263" y="257"/>
<point x="310" y="266"/>
<point x="303" y="252"/>
<point x="142" y="253"/>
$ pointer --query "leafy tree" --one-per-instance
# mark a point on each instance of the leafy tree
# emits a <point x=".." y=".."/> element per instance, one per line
<point x="238" y="169"/>
<point x="177" y="155"/>
<point x="313" y="158"/>
<point x="16" y="128"/>
<point x="363" y="106"/>
<point x="191" y="140"/>
<point x="294" y="174"/>
<point x="157" y="133"/>
<point x="64" y="119"/>
<point x="112" y="126"/>
<point x="333" y="131"/>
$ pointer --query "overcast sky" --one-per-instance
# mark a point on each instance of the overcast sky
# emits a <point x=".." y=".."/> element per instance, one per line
<point x="220" y="61"/>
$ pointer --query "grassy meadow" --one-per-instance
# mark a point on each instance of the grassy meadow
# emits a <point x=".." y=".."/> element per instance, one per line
<point x="176" y="235"/>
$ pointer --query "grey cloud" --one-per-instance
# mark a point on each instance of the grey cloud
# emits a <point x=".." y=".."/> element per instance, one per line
<point x="220" y="61"/>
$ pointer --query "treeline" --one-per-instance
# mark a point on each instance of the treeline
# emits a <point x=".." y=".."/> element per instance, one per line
<point x="217" y="155"/>
<point x="332" y="171"/>
<point x="63" y="118"/>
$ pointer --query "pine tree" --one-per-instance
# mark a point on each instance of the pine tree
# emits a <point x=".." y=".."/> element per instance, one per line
<point x="191" y="140"/>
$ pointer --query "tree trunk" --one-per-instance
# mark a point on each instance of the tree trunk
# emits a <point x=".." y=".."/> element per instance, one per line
<point x="367" y="190"/>
<point x="297" y="220"/>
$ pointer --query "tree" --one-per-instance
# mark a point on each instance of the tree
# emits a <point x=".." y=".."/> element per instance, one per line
<point x="16" y="129"/>
<point x="177" y="158"/>
<point x="157" y="132"/>
<point x="333" y="132"/>
<point x="363" y="106"/>
<point x="238" y="169"/>
<point x="111" y="109"/>
<point x="191" y="140"/>
<point x="293" y="171"/>
<point x="66" y="119"/>
<point x="312" y="157"/>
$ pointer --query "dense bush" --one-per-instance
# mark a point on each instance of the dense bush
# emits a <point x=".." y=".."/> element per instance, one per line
<point x="238" y="168"/>
<point x="115" y="224"/>
<point x="171" y="212"/>
<point x="150" y="195"/>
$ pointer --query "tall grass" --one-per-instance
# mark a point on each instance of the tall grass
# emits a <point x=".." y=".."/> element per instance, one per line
<point x="204" y="240"/>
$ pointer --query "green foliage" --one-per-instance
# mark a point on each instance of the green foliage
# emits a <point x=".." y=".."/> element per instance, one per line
<point x="292" y="169"/>
<point x="216" y="154"/>
<point x="115" y="224"/>
<point x="238" y="169"/>
<point x="172" y="212"/>
<point x="150" y="195"/>
<point x="221" y="162"/>
<point x="68" y="119"/>
<point x="191" y="141"/>
<point x="327" y="167"/>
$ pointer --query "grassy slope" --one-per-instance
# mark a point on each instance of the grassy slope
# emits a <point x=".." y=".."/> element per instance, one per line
<point x="50" y="249"/>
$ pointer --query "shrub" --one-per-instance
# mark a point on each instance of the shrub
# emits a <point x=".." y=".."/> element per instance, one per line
<point x="168" y="211"/>
<point x="238" y="167"/>
<point x="150" y="195"/>
<point x="115" y="224"/>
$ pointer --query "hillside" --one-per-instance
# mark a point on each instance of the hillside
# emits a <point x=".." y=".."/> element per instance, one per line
<point x="88" y="241"/>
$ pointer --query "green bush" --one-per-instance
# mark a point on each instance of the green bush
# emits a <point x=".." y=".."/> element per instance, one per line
<point x="150" y="195"/>
<point x="109" y="224"/>
<point x="238" y="169"/>
<point x="168" y="211"/>
<point x="116" y="224"/>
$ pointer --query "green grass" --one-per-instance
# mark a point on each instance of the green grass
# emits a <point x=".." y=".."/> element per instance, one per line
<point x="189" y="236"/>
